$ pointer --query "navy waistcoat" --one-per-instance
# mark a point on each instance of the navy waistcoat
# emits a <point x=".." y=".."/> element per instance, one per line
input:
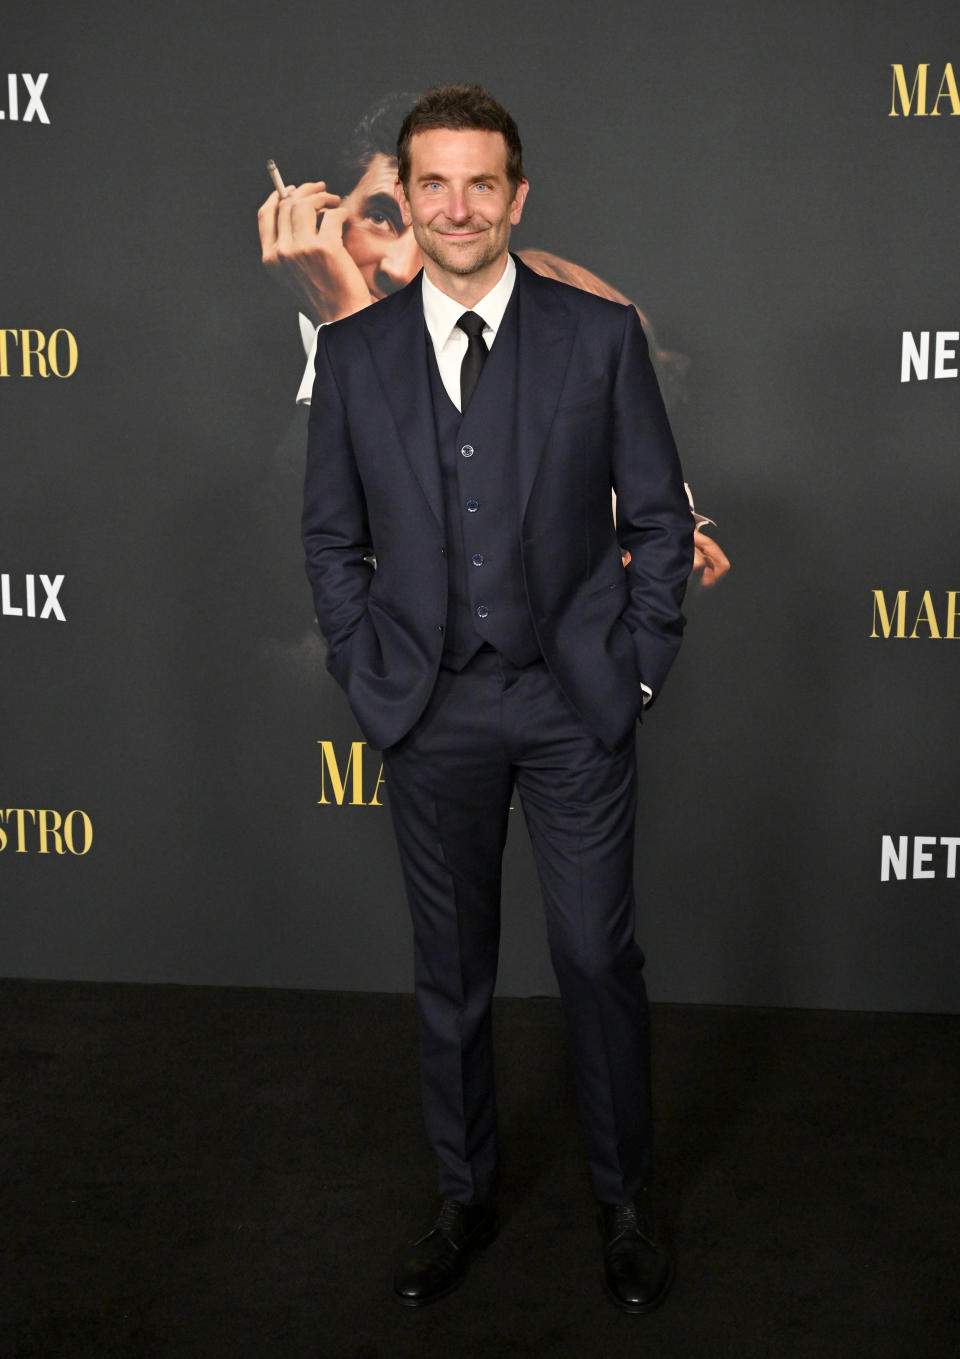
<point x="487" y="602"/>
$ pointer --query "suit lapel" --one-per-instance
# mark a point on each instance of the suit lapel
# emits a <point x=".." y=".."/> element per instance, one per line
<point x="547" y="327"/>
<point x="394" y="331"/>
<point x="395" y="335"/>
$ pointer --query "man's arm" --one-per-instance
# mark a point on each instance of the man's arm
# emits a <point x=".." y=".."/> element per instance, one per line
<point x="336" y="534"/>
<point x="312" y="260"/>
<point x="654" y="523"/>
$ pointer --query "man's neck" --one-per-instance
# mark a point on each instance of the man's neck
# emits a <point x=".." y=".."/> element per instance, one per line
<point x="467" y="289"/>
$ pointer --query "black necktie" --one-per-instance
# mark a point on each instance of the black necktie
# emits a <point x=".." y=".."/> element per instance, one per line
<point x="475" y="357"/>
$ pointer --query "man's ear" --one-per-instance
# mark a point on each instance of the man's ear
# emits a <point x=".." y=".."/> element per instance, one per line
<point x="519" y="198"/>
<point x="402" y="203"/>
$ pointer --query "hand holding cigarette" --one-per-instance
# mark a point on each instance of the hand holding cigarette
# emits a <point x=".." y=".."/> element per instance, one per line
<point x="301" y="239"/>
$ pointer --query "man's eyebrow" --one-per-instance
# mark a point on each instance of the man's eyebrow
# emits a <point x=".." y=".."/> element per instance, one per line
<point x="385" y="203"/>
<point x="474" y="179"/>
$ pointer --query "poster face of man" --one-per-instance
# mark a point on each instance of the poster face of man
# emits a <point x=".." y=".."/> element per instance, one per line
<point x="337" y="253"/>
<point x="374" y="234"/>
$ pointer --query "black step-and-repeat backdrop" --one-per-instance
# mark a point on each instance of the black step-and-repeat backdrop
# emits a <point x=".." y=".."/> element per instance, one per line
<point x="183" y="793"/>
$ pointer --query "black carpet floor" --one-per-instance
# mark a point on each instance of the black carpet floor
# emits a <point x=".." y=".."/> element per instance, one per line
<point x="205" y="1172"/>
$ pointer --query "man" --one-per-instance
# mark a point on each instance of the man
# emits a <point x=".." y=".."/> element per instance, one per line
<point x="465" y="435"/>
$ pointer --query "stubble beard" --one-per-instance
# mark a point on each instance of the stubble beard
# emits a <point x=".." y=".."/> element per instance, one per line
<point x="447" y="257"/>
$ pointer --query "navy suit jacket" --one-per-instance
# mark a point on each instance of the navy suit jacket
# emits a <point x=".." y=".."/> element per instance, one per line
<point x="587" y="417"/>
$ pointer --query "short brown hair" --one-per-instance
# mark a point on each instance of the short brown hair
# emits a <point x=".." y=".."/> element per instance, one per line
<point x="460" y="107"/>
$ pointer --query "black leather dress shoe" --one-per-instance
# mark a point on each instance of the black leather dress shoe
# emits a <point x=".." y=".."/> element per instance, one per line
<point x="638" y="1264"/>
<point x="438" y="1261"/>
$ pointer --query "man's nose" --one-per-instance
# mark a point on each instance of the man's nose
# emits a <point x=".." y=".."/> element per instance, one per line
<point x="456" y="206"/>
<point x="402" y="260"/>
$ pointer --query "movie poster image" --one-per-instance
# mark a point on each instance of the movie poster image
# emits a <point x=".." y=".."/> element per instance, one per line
<point x="785" y="232"/>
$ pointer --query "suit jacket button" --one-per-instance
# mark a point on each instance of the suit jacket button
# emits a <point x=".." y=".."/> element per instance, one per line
<point x="482" y="610"/>
<point x="467" y="451"/>
<point x="472" y="506"/>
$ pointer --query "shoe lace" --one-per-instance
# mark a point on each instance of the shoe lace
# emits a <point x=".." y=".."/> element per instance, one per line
<point x="449" y="1216"/>
<point x="634" y="1219"/>
<point x="624" y="1219"/>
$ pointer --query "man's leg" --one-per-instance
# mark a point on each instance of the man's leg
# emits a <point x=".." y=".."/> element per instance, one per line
<point x="579" y="800"/>
<point x="449" y="787"/>
<point x="580" y="804"/>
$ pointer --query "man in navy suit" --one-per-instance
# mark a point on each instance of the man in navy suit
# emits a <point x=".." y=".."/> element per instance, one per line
<point x="465" y="435"/>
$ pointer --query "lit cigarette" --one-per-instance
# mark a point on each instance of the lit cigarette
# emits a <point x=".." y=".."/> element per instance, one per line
<point x="274" y="174"/>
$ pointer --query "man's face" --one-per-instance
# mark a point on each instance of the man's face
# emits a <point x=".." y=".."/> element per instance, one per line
<point x="459" y="200"/>
<point x="374" y="234"/>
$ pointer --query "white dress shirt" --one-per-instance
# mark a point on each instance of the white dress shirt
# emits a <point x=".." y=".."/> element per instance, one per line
<point x="442" y="313"/>
<point x="308" y="334"/>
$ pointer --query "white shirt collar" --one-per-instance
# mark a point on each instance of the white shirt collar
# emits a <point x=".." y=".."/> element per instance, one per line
<point x="442" y="313"/>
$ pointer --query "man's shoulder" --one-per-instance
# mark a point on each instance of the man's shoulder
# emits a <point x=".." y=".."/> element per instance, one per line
<point x="557" y="292"/>
<point x="378" y="316"/>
